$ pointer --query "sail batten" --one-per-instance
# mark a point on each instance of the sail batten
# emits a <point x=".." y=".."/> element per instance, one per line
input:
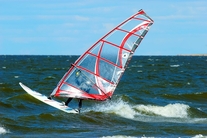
<point x="96" y="74"/>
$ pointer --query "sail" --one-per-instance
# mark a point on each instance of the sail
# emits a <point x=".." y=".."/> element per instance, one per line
<point x="96" y="74"/>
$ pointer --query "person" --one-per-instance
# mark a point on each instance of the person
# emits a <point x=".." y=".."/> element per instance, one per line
<point x="84" y="84"/>
<point x="79" y="104"/>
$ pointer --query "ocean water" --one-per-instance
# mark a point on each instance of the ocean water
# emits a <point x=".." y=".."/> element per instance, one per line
<point x="158" y="96"/>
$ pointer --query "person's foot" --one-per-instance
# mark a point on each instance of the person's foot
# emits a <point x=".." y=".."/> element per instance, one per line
<point x="49" y="97"/>
<point x="63" y="104"/>
<point x="79" y="109"/>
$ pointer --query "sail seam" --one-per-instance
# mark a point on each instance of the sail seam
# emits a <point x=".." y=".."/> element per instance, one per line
<point x="116" y="45"/>
<point x="79" y="67"/>
<point x="105" y="60"/>
<point x="130" y="33"/>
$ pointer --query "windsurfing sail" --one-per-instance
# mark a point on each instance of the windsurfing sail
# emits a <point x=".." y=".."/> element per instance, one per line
<point x="96" y="74"/>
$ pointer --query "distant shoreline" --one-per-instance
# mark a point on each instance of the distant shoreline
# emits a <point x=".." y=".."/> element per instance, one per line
<point x="192" y="55"/>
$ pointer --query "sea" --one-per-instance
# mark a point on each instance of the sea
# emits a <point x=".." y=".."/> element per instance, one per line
<point x="158" y="96"/>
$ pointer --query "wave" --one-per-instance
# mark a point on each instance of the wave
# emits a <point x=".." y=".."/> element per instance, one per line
<point x="118" y="107"/>
<point x="176" y="112"/>
<point x="199" y="136"/>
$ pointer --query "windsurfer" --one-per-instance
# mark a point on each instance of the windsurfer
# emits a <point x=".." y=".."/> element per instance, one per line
<point x="84" y="84"/>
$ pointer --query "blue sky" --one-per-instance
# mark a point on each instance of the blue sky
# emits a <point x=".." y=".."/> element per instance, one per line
<point x="66" y="27"/>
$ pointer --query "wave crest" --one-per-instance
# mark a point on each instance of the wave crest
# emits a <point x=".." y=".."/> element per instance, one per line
<point x="118" y="107"/>
<point x="176" y="110"/>
<point x="127" y="110"/>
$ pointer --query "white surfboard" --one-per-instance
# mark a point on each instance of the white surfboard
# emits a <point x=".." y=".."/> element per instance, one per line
<point x="45" y="99"/>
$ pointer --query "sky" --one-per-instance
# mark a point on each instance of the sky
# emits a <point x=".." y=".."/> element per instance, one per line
<point x="69" y="27"/>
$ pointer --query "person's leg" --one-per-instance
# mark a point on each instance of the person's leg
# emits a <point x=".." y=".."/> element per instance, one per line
<point x="80" y="104"/>
<point x="50" y="97"/>
<point x="68" y="101"/>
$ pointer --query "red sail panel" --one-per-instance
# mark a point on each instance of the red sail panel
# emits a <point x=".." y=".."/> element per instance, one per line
<point x="97" y="72"/>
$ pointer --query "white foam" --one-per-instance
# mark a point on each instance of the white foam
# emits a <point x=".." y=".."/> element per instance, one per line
<point x="118" y="107"/>
<point x="199" y="136"/>
<point x="171" y="110"/>
<point x="2" y="130"/>
<point x="174" y="66"/>
<point x="51" y="77"/>
<point x="142" y="112"/>
<point x="177" y="113"/>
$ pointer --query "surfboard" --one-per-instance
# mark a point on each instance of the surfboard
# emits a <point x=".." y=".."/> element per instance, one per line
<point x="45" y="99"/>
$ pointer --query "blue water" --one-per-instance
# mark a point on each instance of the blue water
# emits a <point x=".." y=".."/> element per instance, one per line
<point x="158" y="96"/>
